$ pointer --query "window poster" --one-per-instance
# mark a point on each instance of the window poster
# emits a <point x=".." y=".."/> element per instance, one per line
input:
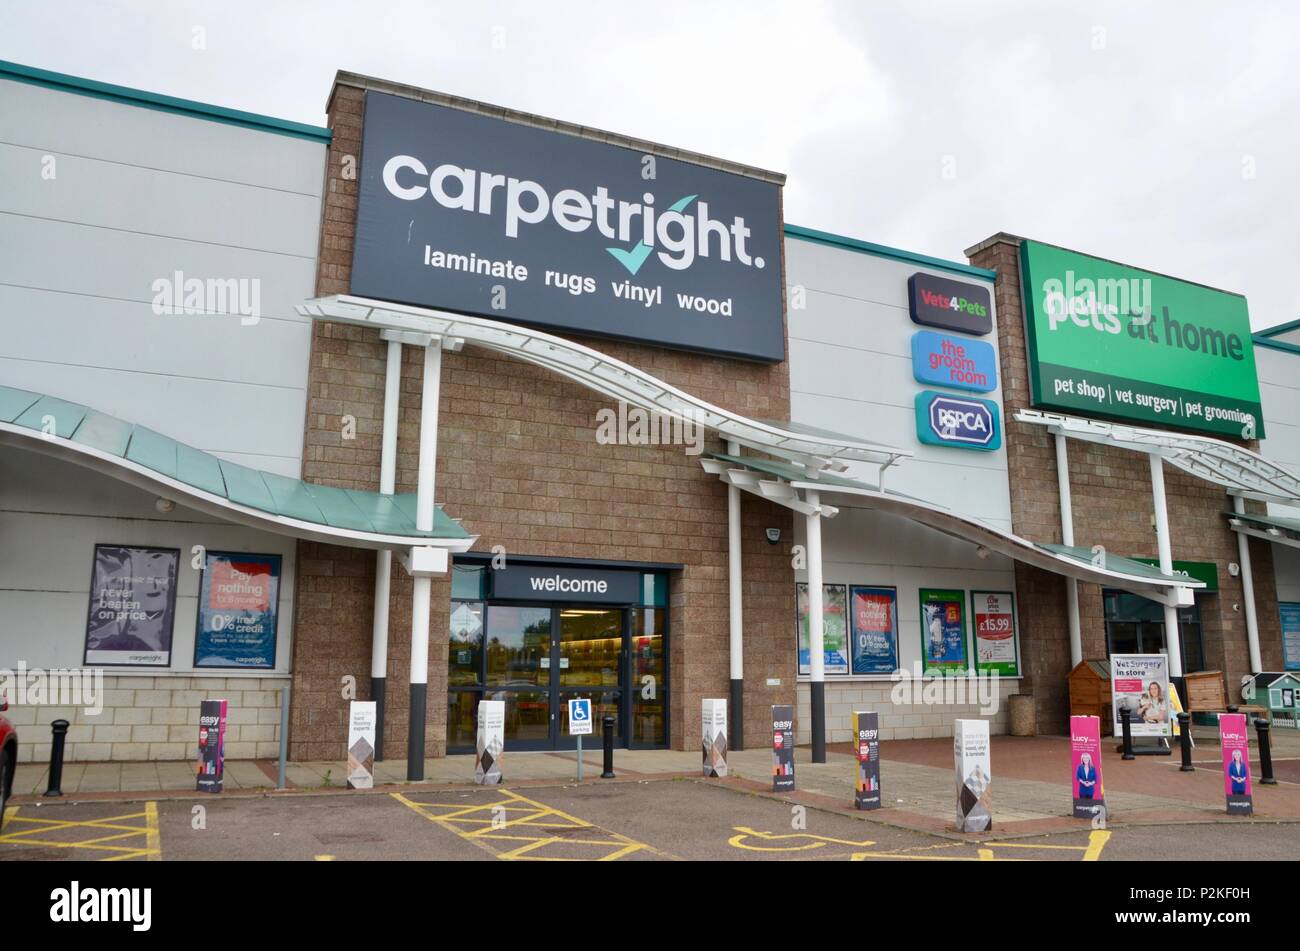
<point x="238" y="601"/>
<point x="874" y="614"/>
<point x="943" y="630"/>
<point x="993" y="616"/>
<point x="132" y="606"/>
<point x="834" y="628"/>
<point x="1290" y="611"/>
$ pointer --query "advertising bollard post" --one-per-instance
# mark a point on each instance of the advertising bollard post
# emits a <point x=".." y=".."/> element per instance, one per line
<point x="782" y="747"/>
<point x="212" y="745"/>
<point x="1085" y="767"/>
<point x="866" y="746"/>
<point x="1235" y="742"/>
<point x="713" y="716"/>
<point x="491" y="740"/>
<point x="361" y="744"/>
<point x="974" y="775"/>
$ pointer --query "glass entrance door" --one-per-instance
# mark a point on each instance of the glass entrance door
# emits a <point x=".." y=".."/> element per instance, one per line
<point x="587" y="661"/>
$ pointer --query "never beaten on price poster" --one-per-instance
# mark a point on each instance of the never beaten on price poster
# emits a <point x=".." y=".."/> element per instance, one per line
<point x="238" y="601"/>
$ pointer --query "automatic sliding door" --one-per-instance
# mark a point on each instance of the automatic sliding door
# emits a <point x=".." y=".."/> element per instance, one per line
<point x="519" y="672"/>
<point x="589" y="653"/>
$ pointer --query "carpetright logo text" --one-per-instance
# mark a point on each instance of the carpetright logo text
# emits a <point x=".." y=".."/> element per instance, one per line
<point x="676" y="235"/>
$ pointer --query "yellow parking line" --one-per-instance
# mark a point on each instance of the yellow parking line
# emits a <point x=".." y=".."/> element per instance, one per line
<point x="811" y="841"/>
<point x="153" y="837"/>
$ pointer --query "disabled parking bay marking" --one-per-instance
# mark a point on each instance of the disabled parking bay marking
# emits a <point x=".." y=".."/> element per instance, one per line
<point x="132" y="835"/>
<point x="512" y="826"/>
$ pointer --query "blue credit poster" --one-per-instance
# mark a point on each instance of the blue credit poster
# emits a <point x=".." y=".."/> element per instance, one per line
<point x="238" y="600"/>
<point x="874" y="612"/>
<point x="1290" y="611"/>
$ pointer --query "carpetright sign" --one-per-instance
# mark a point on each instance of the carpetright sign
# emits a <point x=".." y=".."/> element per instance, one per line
<point x="470" y="212"/>
<point x="1117" y="341"/>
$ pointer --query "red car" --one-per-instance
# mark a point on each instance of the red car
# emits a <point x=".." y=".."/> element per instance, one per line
<point x="8" y="757"/>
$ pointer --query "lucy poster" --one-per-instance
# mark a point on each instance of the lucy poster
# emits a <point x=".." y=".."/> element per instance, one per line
<point x="943" y="630"/>
<point x="1235" y="744"/>
<point x="132" y="606"/>
<point x="1085" y="767"/>
<point x="835" y="627"/>
<point x="238" y="600"/>
<point x="994" y="617"/>
<point x="874" y="613"/>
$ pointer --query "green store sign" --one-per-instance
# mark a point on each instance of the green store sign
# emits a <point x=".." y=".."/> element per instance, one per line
<point x="1125" y="343"/>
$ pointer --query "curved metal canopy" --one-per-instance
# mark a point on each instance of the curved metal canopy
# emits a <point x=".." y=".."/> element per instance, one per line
<point x="788" y="486"/>
<point x="1238" y="470"/>
<point x="814" y="448"/>
<point x="234" y="493"/>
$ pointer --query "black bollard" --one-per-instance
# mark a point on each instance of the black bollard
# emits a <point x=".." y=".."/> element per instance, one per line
<point x="1185" y="742"/>
<point x="59" y="729"/>
<point x="1265" y="754"/>
<point x="1124" y="714"/>
<point x="607" y="736"/>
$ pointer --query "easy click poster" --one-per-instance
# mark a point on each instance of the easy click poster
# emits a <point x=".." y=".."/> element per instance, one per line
<point x="212" y="746"/>
<point x="361" y="744"/>
<point x="943" y="630"/>
<point x="238" y="606"/>
<point x="1235" y="744"/>
<point x="782" y="747"/>
<point x="1085" y="767"/>
<point x="866" y="748"/>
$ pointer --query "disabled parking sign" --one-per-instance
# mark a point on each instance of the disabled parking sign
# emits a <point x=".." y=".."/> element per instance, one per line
<point x="580" y="717"/>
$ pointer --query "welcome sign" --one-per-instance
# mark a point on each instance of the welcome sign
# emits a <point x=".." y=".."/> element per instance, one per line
<point x="1117" y="341"/>
<point x="474" y="213"/>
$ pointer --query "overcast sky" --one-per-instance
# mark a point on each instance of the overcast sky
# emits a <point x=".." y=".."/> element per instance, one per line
<point x="1164" y="134"/>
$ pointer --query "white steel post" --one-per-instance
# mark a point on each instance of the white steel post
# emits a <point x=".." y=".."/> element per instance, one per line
<point x="816" y="648"/>
<point x="1067" y="538"/>
<point x="1248" y="590"/>
<point x="1173" y="643"/>
<point x="735" y="613"/>
<point x="384" y="557"/>
<point x="421" y="585"/>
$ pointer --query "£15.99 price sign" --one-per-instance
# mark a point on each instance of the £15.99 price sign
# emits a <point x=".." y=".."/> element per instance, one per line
<point x="994" y="613"/>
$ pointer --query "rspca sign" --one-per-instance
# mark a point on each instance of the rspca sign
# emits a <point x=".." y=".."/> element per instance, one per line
<point x="959" y="422"/>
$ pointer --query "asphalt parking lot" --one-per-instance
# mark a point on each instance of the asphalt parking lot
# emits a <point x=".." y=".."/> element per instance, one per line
<point x="625" y="821"/>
